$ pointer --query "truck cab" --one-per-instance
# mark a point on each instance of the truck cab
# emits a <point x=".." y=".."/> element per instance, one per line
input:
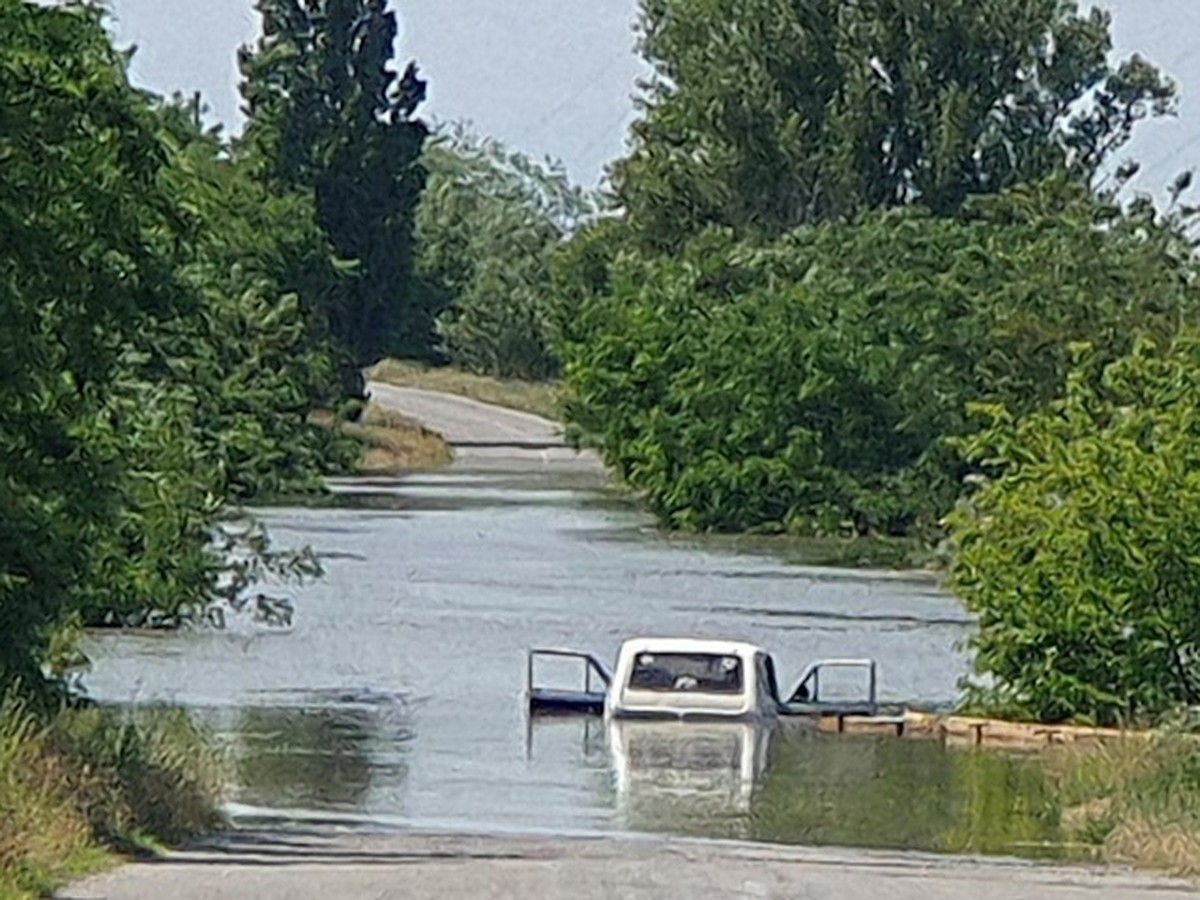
<point x="690" y="679"/>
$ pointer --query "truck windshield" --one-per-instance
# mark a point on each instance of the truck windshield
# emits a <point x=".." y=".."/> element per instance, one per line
<point x="704" y="672"/>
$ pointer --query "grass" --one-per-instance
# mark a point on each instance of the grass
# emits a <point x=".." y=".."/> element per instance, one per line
<point x="391" y="443"/>
<point x="44" y="837"/>
<point x="1135" y="803"/>
<point x="84" y="788"/>
<point x="541" y="398"/>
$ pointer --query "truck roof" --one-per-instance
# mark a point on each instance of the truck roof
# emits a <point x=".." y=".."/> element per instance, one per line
<point x="689" y="645"/>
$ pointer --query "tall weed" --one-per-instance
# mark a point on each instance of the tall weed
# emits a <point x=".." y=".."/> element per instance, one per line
<point x="90" y="780"/>
<point x="43" y="835"/>
<point x="1138" y="800"/>
<point x="149" y="773"/>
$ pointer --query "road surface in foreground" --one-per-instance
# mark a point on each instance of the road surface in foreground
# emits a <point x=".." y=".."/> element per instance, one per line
<point x="300" y="867"/>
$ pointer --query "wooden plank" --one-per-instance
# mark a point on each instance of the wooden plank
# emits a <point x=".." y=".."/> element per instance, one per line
<point x="972" y="731"/>
<point x="890" y="725"/>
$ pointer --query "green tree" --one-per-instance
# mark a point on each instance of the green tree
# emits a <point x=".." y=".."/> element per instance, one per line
<point x="810" y="384"/>
<point x="83" y="225"/>
<point x="1081" y="553"/>
<point x="767" y="114"/>
<point x="330" y="115"/>
<point x="487" y="227"/>
<point x="154" y="367"/>
<point x="261" y="266"/>
<point x="210" y="408"/>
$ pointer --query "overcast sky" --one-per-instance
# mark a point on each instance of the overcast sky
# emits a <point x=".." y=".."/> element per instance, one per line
<point x="556" y="77"/>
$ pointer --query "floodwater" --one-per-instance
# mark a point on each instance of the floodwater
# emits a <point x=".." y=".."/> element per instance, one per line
<point x="395" y="699"/>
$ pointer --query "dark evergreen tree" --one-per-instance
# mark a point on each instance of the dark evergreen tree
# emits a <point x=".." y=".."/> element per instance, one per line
<point x="331" y="113"/>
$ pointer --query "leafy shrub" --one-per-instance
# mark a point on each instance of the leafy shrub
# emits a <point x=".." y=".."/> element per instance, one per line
<point x="1081" y="555"/>
<point x="810" y="385"/>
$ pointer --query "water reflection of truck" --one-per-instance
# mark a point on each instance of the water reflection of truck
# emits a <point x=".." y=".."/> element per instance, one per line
<point x="707" y="770"/>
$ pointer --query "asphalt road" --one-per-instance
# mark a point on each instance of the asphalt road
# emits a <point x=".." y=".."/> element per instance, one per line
<point x="485" y="436"/>
<point x="265" y="867"/>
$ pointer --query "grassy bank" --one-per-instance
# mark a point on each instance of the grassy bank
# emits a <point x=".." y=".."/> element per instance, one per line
<point x="391" y="443"/>
<point x="542" y="398"/>
<point x="1134" y="802"/>
<point x="87" y="786"/>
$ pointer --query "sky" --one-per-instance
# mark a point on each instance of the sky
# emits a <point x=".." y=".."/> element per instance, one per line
<point x="556" y="78"/>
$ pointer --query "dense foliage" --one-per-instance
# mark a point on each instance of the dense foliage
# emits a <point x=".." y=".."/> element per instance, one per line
<point x="768" y="114"/>
<point x="810" y="385"/>
<point x="155" y="366"/>
<point x="63" y="297"/>
<point x="212" y="407"/>
<point x="488" y="224"/>
<point x="1081" y="554"/>
<point x="330" y="117"/>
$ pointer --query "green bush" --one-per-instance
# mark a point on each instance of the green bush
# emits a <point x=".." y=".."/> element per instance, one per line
<point x="810" y="385"/>
<point x="1081" y="554"/>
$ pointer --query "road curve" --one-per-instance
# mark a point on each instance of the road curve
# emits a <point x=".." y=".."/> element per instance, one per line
<point x="484" y="435"/>
<point x="308" y="867"/>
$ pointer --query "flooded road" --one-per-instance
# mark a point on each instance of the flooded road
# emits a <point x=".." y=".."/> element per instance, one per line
<point x="396" y="698"/>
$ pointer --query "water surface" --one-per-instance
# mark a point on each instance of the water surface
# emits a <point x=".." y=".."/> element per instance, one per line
<point x="396" y="697"/>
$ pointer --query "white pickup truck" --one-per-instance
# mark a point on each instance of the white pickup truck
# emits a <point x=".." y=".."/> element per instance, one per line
<point x="688" y="678"/>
